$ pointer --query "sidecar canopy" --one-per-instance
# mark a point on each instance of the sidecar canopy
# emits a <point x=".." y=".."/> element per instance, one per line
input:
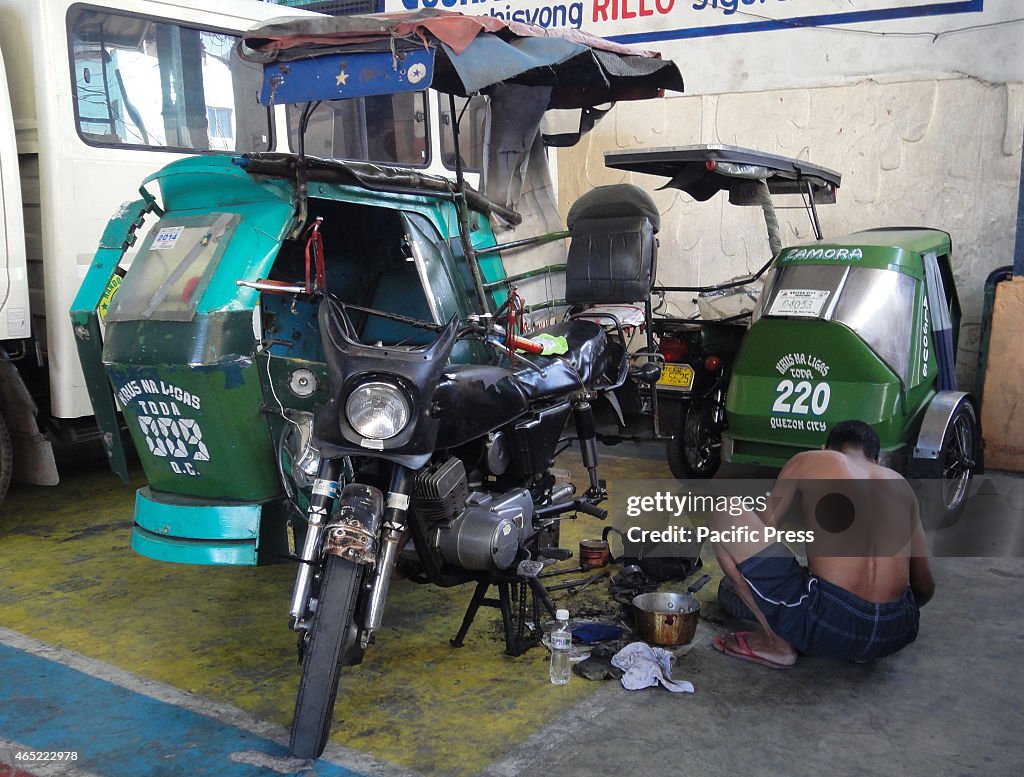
<point x="337" y="57"/>
<point x="703" y="171"/>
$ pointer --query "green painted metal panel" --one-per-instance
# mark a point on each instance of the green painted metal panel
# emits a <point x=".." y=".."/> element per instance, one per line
<point x="894" y="249"/>
<point x="117" y="237"/>
<point x="173" y="516"/>
<point x="199" y="429"/>
<point x="795" y="379"/>
<point x="181" y="551"/>
<point x="213" y="181"/>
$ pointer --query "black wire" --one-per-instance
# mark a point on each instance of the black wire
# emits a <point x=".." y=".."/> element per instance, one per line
<point x="879" y="33"/>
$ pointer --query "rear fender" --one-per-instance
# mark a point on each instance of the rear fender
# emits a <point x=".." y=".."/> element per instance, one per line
<point x="936" y="419"/>
<point x="933" y="428"/>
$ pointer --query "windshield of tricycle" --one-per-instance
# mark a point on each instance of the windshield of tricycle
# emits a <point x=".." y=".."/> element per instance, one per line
<point x="877" y="304"/>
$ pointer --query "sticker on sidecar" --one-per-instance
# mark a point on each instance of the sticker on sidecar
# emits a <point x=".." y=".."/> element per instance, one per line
<point x="166" y="238"/>
<point x="801" y="393"/>
<point x="799" y="302"/>
<point x="167" y="432"/>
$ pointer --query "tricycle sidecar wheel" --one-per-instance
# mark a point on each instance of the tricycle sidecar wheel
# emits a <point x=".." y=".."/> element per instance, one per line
<point x="322" y="658"/>
<point x="695" y="451"/>
<point x="943" y="498"/>
<point x="6" y="459"/>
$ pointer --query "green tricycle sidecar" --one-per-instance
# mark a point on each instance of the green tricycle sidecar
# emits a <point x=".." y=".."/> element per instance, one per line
<point x="861" y="327"/>
<point x="218" y="382"/>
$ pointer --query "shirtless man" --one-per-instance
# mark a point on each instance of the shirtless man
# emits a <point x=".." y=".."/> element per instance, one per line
<point x="867" y="569"/>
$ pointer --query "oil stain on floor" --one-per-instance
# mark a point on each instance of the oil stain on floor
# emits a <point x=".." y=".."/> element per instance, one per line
<point x="71" y="579"/>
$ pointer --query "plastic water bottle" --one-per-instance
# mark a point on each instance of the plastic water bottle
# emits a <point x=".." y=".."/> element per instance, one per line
<point x="561" y="644"/>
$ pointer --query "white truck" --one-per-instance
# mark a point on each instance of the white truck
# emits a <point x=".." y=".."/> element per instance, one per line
<point x="95" y="98"/>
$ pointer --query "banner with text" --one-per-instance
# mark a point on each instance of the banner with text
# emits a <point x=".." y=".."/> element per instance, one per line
<point x="641" y="21"/>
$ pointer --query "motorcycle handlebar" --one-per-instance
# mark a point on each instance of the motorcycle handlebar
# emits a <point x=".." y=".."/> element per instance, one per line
<point x="585" y="507"/>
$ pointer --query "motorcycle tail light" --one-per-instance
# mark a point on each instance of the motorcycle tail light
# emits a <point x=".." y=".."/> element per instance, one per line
<point x="378" y="410"/>
<point x="712" y="363"/>
<point x="673" y="349"/>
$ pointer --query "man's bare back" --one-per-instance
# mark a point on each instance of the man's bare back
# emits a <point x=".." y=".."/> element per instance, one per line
<point x="867" y="570"/>
<point x="882" y="508"/>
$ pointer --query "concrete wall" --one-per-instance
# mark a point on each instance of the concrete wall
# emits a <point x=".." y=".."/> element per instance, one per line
<point x="925" y="130"/>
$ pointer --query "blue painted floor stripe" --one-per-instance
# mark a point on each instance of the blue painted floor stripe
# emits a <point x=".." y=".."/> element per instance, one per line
<point x="116" y="732"/>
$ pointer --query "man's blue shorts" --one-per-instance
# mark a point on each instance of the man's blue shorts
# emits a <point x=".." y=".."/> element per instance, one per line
<point x="819" y="618"/>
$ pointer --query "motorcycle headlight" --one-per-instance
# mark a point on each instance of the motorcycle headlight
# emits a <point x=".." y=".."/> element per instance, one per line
<point x="378" y="410"/>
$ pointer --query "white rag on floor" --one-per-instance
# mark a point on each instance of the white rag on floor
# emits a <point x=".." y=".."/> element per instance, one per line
<point x="645" y="666"/>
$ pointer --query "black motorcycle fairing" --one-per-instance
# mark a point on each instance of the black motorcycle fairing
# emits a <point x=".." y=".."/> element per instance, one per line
<point x="351" y="363"/>
<point x="535" y="439"/>
<point x="580" y="368"/>
<point x="474" y="399"/>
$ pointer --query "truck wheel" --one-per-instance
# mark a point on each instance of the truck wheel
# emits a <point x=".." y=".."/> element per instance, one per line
<point x="329" y="639"/>
<point x="695" y="451"/>
<point x="6" y="459"/>
<point x="945" y="491"/>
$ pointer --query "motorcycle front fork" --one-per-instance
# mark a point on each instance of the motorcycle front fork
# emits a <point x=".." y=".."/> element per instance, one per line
<point x="387" y="521"/>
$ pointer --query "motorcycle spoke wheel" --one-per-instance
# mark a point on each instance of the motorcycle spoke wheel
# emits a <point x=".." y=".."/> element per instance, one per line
<point x="322" y="656"/>
<point x="957" y="460"/>
<point x="944" y="491"/>
<point x="696" y="450"/>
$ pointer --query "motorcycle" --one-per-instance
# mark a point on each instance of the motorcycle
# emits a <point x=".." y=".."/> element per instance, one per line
<point x="324" y="361"/>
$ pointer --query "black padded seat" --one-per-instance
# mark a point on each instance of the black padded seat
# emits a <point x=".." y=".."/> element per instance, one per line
<point x="583" y="366"/>
<point x="613" y="252"/>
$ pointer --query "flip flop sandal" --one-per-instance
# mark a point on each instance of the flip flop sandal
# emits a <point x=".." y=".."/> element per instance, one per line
<point x="743" y="652"/>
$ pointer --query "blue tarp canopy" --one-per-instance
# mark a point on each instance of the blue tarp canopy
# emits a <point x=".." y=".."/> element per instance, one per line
<point x="473" y="53"/>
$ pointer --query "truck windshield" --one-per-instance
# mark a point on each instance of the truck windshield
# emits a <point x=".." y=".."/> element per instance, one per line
<point x="143" y="82"/>
<point x="876" y="304"/>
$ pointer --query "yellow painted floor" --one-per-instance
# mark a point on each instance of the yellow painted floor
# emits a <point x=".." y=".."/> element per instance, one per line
<point x="70" y="578"/>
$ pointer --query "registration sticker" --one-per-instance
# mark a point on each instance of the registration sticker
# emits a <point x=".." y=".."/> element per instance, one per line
<point x="798" y="302"/>
<point x="676" y="376"/>
<point x="166" y="238"/>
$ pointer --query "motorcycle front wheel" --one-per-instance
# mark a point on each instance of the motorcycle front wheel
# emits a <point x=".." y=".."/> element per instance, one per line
<point x="326" y="645"/>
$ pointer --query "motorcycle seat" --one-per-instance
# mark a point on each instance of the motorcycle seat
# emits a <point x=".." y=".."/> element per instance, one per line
<point x="583" y="366"/>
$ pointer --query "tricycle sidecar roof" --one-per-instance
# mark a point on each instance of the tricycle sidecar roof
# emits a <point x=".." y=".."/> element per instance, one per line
<point x="703" y="171"/>
<point x="886" y="248"/>
<point x="469" y="54"/>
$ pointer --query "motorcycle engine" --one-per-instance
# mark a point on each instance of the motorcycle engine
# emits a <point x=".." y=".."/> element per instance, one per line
<point x="478" y="531"/>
